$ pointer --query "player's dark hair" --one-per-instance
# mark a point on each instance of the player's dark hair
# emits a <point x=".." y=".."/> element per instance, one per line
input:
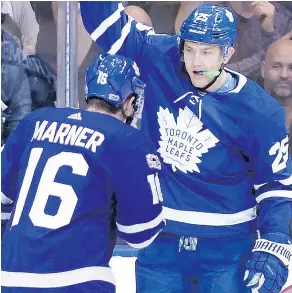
<point x="100" y="104"/>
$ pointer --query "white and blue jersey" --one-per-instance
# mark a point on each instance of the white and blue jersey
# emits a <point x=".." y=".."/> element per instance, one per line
<point x="77" y="179"/>
<point x="225" y="154"/>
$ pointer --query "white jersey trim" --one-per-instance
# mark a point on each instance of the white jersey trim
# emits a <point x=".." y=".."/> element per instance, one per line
<point x="209" y="219"/>
<point x="143" y="244"/>
<point x="55" y="280"/>
<point x="131" y="229"/>
<point x="5" y="200"/>
<point x="5" y="216"/>
<point x="124" y="33"/>
<point x="286" y="182"/>
<point x="274" y="193"/>
<point x="107" y="23"/>
<point x="241" y="82"/>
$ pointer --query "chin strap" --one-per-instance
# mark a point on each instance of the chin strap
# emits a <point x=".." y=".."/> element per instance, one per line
<point x="207" y="73"/>
<point x="212" y="81"/>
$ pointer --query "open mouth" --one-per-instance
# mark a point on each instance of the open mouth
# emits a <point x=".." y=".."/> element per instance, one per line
<point x="198" y="72"/>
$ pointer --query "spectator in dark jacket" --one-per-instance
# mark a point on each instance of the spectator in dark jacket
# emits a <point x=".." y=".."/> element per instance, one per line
<point x="15" y="89"/>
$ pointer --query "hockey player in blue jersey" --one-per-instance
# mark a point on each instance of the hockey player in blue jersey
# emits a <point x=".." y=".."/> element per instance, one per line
<point x="223" y="142"/>
<point x="78" y="178"/>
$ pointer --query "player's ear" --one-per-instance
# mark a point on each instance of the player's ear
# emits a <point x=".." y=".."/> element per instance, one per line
<point x="129" y="105"/>
<point x="230" y="52"/>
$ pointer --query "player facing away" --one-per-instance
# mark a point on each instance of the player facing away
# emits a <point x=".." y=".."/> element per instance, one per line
<point x="78" y="178"/>
<point x="223" y="142"/>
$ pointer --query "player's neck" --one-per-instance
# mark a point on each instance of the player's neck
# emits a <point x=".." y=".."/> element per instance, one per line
<point x="118" y="115"/>
<point x="218" y="83"/>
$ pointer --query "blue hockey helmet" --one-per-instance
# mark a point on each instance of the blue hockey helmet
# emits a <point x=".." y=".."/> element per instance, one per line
<point x="113" y="78"/>
<point x="210" y="24"/>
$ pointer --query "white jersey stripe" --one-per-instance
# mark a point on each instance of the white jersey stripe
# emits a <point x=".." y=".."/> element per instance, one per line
<point x="107" y="23"/>
<point x="209" y="219"/>
<point x="5" y="200"/>
<point x="125" y="31"/>
<point x="286" y="182"/>
<point x="274" y="193"/>
<point x="143" y="244"/>
<point x="140" y="227"/>
<point x="5" y="216"/>
<point x="55" y="280"/>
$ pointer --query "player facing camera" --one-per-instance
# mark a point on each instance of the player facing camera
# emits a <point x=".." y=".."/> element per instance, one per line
<point x="113" y="86"/>
<point x="207" y="42"/>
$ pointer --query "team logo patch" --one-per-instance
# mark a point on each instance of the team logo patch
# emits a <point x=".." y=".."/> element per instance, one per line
<point x="113" y="97"/>
<point x="153" y="162"/>
<point x="183" y="142"/>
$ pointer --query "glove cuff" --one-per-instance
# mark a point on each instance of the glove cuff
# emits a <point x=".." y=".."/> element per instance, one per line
<point x="282" y="251"/>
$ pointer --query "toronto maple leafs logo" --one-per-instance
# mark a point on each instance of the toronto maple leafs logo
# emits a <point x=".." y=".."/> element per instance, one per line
<point x="183" y="143"/>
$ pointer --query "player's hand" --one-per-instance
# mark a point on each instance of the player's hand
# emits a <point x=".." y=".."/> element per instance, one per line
<point x="267" y="270"/>
<point x="265" y="11"/>
<point x="288" y="36"/>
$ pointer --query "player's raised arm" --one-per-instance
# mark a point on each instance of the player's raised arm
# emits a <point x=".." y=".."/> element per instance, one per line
<point x="113" y="30"/>
<point x="139" y="210"/>
<point x="273" y="186"/>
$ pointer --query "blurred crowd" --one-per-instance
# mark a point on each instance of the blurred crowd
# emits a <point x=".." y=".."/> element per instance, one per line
<point x="29" y="49"/>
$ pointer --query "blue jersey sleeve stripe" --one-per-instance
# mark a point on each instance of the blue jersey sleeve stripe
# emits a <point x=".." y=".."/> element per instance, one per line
<point x="274" y="193"/>
<point x="130" y="229"/>
<point x="107" y="23"/>
<point x="119" y="43"/>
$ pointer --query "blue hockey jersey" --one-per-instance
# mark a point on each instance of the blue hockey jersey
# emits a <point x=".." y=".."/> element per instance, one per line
<point x="77" y="178"/>
<point x="224" y="154"/>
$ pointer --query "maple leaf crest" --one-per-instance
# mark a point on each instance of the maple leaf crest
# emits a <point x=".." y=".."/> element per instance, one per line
<point x="183" y="142"/>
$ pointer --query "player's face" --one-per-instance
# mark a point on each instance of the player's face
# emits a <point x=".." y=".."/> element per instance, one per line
<point x="277" y="72"/>
<point x="199" y="58"/>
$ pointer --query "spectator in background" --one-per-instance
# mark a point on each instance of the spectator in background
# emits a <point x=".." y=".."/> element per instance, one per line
<point x="162" y="14"/>
<point x="277" y="74"/>
<point x="185" y="9"/>
<point x="260" y="23"/>
<point x="86" y="52"/>
<point x="20" y="21"/>
<point x="42" y="80"/>
<point x="139" y="14"/>
<point x="15" y="89"/>
<point x="288" y="36"/>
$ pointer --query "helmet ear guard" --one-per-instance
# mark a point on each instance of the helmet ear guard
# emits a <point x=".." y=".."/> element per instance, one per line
<point x="138" y="102"/>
